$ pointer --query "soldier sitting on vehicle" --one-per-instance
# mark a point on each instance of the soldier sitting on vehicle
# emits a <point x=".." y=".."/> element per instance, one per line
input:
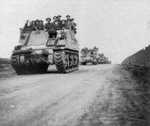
<point x="54" y="19"/>
<point x="48" y="23"/>
<point x="41" y="25"/>
<point x="63" y="24"/>
<point x="50" y="28"/>
<point x="73" y="25"/>
<point x="29" y="26"/>
<point x="32" y="25"/>
<point x="58" y="22"/>
<point x="68" y="22"/>
<point x="68" y="17"/>
<point x="37" y="24"/>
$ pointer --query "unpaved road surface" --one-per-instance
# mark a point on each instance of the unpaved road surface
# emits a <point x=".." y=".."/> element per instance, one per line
<point x="101" y="95"/>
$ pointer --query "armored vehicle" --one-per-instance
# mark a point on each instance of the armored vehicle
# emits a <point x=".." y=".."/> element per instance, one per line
<point x="89" y="56"/>
<point x="40" y="47"/>
<point x="92" y="56"/>
<point x="103" y="59"/>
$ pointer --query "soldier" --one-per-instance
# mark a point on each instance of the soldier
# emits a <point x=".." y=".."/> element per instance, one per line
<point x="51" y="28"/>
<point x="41" y="25"/>
<point x="54" y="19"/>
<point x="59" y="17"/>
<point x="68" y="22"/>
<point x="58" y="22"/>
<point x="37" y="24"/>
<point x="48" y="23"/>
<point x="32" y="25"/>
<point x="73" y="25"/>
<point x="68" y="17"/>
<point x="63" y="24"/>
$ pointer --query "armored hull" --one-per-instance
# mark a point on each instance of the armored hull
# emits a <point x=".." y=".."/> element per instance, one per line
<point x="89" y="56"/>
<point x="37" y="51"/>
<point x="88" y="59"/>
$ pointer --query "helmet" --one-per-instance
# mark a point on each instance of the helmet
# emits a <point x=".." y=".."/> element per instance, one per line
<point x="67" y="16"/>
<point x="48" y="19"/>
<point x="54" y="17"/>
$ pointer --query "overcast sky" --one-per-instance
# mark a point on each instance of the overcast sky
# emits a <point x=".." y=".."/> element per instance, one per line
<point x="118" y="27"/>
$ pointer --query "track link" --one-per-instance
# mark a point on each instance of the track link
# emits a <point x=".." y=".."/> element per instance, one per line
<point x="66" y="60"/>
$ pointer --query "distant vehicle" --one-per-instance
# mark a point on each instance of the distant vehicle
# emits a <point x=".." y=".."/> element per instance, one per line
<point x="102" y="59"/>
<point x="89" y="56"/>
<point x="40" y="48"/>
<point x="92" y="56"/>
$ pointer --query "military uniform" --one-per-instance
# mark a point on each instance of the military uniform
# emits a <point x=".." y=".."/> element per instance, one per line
<point x="41" y="25"/>
<point x="63" y="24"/>
<point x="32" y="25"/>
<point x="68" y="22"/>
<point x="58" y="22"/>
<point x="37" y="23"/>
<point x="47" y="25"/>
<point x="51" y="28"/>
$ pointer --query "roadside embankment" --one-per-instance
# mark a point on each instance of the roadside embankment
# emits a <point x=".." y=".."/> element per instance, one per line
<point x="138" y="65"/>
<point x="142" y="78"/>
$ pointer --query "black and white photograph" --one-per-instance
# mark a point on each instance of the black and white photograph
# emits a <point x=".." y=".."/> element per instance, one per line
<point x="74" y="63"/>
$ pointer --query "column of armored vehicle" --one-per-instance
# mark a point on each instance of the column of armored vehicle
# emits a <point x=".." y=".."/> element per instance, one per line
<point x="93" y="56"/>
<point x="42" y="44"/>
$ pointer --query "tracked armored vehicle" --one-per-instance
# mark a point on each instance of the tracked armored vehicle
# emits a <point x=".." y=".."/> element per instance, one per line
<point x="89" y="56"/>
<point x="40" y="48"/>
<point x="92" y="56"/>
<point x="103" y="59"/>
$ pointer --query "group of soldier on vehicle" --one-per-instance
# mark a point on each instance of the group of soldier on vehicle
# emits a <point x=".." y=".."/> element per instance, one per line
<point x="51" y="25"/>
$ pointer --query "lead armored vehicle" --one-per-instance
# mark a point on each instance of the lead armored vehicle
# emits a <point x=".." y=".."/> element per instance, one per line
<point x="39" y="48"/>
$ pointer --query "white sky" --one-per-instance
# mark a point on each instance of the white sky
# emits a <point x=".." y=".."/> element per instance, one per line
<point x="118" y="27"/>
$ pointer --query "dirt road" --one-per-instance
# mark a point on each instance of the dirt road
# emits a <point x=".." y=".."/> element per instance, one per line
<point x="89" y="97"/>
